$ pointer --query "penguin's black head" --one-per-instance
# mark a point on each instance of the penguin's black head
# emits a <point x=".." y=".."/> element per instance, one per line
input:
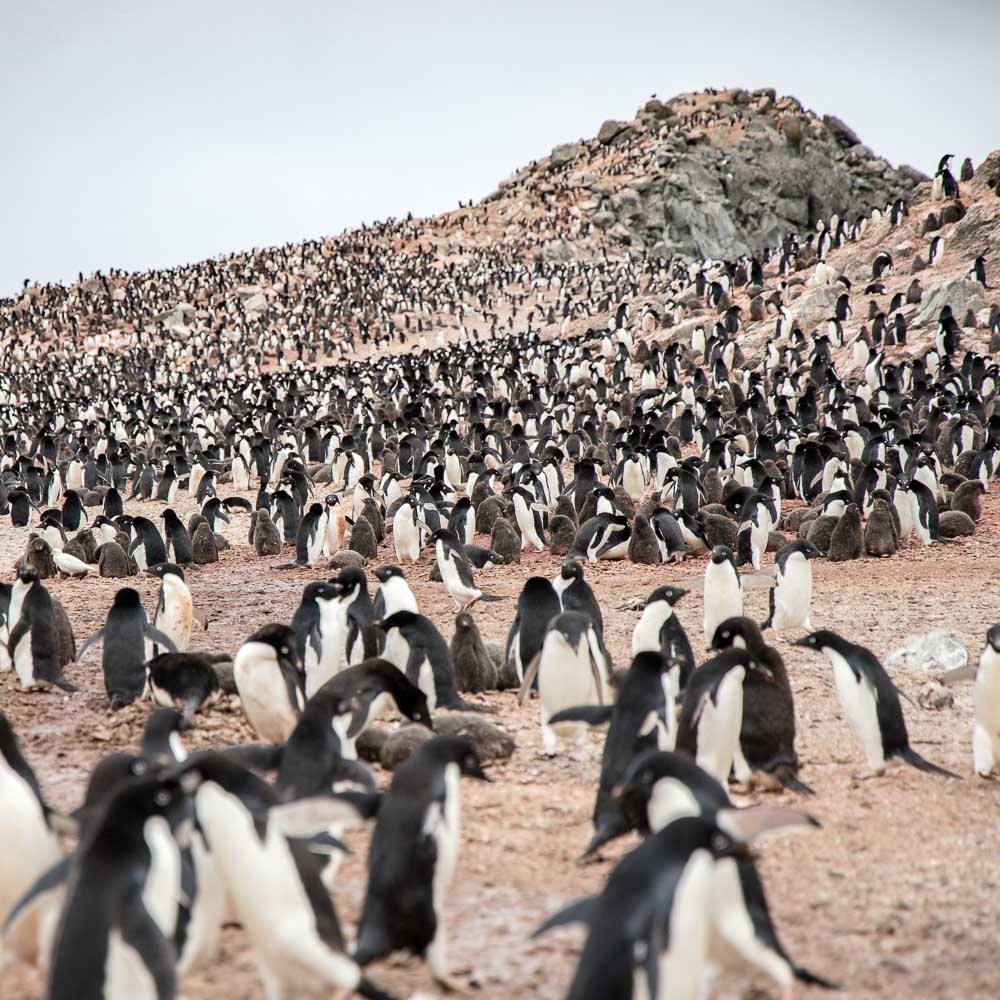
<point x="739" y="632"/>
<point x="127" y="597"/>
<point x="464" y="622"/>
<point x="350" y="578"/>
<point x="321" y="590"/>
<point x="458" y="750"/>
<point x="384" y="573"/>
<point x="721" y="554"/>
<point x="815" y="640"/>
<point x="571" y="570"/>
<point x="401" y="619"/>
<point x="280" y="638"/>
<point x="332" y="500"/>
<point x="993" y="638"/>
<point x="165" y="569"/>
<point x="669" y="594"/>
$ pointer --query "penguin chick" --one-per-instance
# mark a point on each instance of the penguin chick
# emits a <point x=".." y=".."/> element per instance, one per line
<point x="475" y="670"/>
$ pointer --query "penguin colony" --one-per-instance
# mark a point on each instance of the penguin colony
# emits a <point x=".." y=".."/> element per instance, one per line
<point x="623" y="441"/>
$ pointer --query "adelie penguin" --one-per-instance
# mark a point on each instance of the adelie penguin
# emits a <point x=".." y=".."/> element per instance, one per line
<point x="178" y="542"/>
<point x="186" y="682"/>
<point x="414" y="851"/>
<point x="723" y="591"/>
<point x="175" y="610"/>
<point x="870" y="702"/>
<point x="269" y="682"/>
<point x="273" y="879"/>
<point x="790" y="598"/>
<point x="575" y="594"/>
<point x="456" y="571"/>
<point x="986" y="730"/>
<point x="128" y="643"/>
<point x="537" y="604"/>
<point x="573" y="669"/>
<point x="659" y="629"/>
<point x="767" y="734"/>
<point x="147" y="548"/>
<point x="33" y="640"/>
<point x="475" y="670"/>
<point x="641" y="718"/>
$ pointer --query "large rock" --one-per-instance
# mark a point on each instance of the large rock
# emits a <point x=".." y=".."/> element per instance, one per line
<point x="565" y="154"/>
<point x="958" y="293"/>
<point x="612" y="130"/>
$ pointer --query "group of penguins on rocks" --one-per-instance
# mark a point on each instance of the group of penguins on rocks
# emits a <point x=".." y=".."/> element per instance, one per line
<point x="616" y="443"/>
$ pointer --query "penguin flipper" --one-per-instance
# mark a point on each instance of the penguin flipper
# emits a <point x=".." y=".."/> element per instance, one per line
<point x="488" y="598"/>
<point x="255" y="756"/>
<point x="579" y="912"/>
<point x="310" y="818"/>
<point x="593" y="715"/>
<point x="914" y="759"/>
<point x="155" y="635"/>
<point x="790" y="780"/>
<point x="95" y="638"/>
<point x="141" y="932"/>
<point x="529" y="677"/>
<point x="811" y="979"/>
<point x="56" y="875"/>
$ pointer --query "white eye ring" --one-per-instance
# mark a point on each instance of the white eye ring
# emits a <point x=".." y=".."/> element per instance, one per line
<point x="162" y="797"/>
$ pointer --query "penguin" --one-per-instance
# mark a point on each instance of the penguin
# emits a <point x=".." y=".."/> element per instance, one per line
<point x="147" y="548"/>
<point x="643" y="546"/>
<point x="166" y="487"/>
<point x="790" y="598"/>
<point x="966" y="498"/>
<point x="424" y="657"/>
<point x="767" y="735"/>
<point x="175" y="610"/>
<point x="363" y="539"/>
<point x="112" y="561"/>
<point x="870" y="702"/>
<point x="532" y="519"/>
<point x="537" y="604"/>
<point x="177" y="541"/>
<point x="847" y="539"/>
<point x="20" y="508"/>
<point x="266" y="538"/>
<point x="33" y="641"/>
<point x="456" y="571"/>
<point x="336" y="525"/>
<point x="73" y="511"/>
<point x="575" y="594"/>
<point x="128" y="643"/>
<point x="320" y="628"/>
<point x="723" y="591"/>
<point x="505" y="542"/>
<point x="711" y="714"/>
<point x="407" y="535"/>
<point x="274" y="880"/>
<point x="269" y="682"/>
<point x="109" y="945"/>
<point x="27" y="832"/>
<point x="642" y="718"/>
<point x="669" y="536"/>
<point x="462" y="520"/>
<point x="924" y="513"/>
<point x="986" y="730"/>
<point x="475" y="670"/>
<point x="603" y="536"/>
<point x="186" y="682"/>
<point x="310" y="539"/>
<point x="573" y="669"/>
<point x="414" y="850"/>
<point x="660" y="630"/>
<point x="754" y="529"/>
<point x="651" y="924"/>
<point x="350" y="700"/>
<point x="880" y="538"/>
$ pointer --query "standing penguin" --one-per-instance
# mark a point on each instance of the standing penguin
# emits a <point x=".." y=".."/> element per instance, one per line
<point x="573" y="669"/>
<point x="33" y="643"/>
<point x="456" y="571"/>
<point x="320" y="625"/>
<point x="147" y="548"/>
<point x="413" y="854"/>
<point x="790" y="598"/>
<point x="310" y="539"/>
<point x="475" y="670"/>
<point x="723" y="591"/>
<point x="407" y="534"/>
<point x="25" y="832"/>
<point x="641" y="719"/>
<point x="659" y="629"/>
<point x="269" y="683"/>
<point x="575" y="594"/>
<point x="537" y="605"/>
<point x="870" y="701"/>
<point x="924" y="512"/>
<point x="423" y="656"/>
<point x="175" y="611"/>
<point x="986" y="732"/>
<point x="109" y="946"/>
<point x="178" y="540"/>
<point x="274" y="880"/>
<point x="393" y="594"/>
<point x="128" y="644"/>
<point x="767" y="734"/>
<point x="532" y="519"/>
<point x="712" y="711"/>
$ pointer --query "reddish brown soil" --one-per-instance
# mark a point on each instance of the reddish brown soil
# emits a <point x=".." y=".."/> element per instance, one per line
<point x="896" y="896"/>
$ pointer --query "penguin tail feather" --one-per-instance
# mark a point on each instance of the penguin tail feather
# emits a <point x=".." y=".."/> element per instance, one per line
<point x="491" y="597"/>
<point x="811" y="979"/>
<point x="65" y="685"/>
<point x="922" y="764"/>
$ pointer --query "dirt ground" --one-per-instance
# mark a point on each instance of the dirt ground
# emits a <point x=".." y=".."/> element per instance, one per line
<point x="896" y="896"/>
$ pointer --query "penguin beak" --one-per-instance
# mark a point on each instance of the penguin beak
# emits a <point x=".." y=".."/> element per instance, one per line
<point x="479" y="774"/>
<point x="804" y="641"/>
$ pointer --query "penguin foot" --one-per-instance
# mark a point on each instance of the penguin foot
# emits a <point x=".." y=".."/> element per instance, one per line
<point x="452" y="985"/>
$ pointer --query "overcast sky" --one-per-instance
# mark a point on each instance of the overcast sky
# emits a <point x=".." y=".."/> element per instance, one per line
<point x="143" y="134"/>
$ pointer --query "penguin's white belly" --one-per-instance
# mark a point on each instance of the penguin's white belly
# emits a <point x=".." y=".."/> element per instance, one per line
<point x="265" y="704"/>
<point x="858" y="702"/>
<point x="163" y="882"/>
<point x="26" y="843"/>
<point x="271" y="904"/>
<point x="683" y="965"/>
<point x="723" y="598"/>
<point x="333" y="641"/>
<point x="444" y="824"/>
<point x="125" y="974"/>
<point x="425" y="681"/>
<point x="634" y="482"/>
<point x="208" y="913"/>
<point x="5" y="661"/>
<point x="646" y="635"/>
<point x="24" y="661"/>
<point x="139" y="555"/>
<point x="174" y="621"/>
<point x="734" y="942"/>
<point x="793" y="595"/>
<point x="565" y="679"/>
<point x="405" y="537"/>
<point x="719" y="727"/>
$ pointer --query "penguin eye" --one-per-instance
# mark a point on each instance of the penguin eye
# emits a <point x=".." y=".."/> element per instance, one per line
<point x="162" y="797"/>
<point x="470" y="761"/>
<point x="284" y="651"/>
<point x="720" y="842"/>
<point x="139" y="768"/>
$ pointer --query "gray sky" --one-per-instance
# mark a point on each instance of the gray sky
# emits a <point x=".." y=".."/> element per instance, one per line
<point x="139" y="135"/>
